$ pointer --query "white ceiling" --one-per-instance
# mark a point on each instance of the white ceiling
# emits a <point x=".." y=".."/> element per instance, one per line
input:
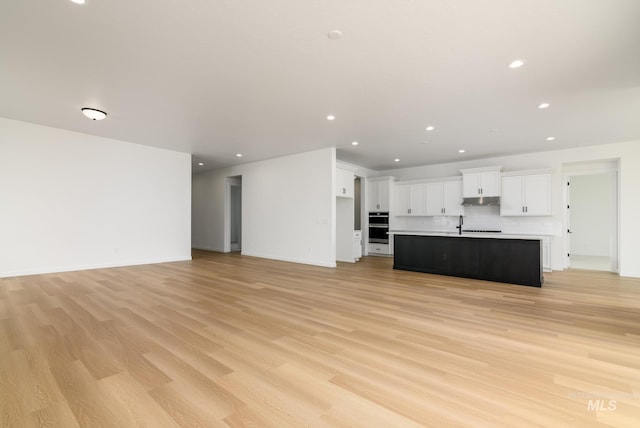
<point x="218" y="77"/>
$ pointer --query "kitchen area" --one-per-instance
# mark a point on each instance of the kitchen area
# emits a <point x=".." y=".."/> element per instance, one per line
<point x="484" y="224"/>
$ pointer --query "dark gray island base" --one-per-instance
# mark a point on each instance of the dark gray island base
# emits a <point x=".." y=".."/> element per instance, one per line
<point x="515" y="261"/>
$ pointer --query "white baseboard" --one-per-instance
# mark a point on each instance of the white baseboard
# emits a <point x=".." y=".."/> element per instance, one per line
<point x="289" y="259"/>
<point x="630" y="274"/>
<point x="207" y="248"/>
<point x="59" y="269"/>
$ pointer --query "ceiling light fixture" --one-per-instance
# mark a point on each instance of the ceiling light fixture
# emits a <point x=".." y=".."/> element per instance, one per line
<point x="461" y="151"/>
<point x="334" y="35"/>
<point x="331" y="117"/>
<point x="544" y="105"/>
<point x="78" y="1"/>
<point x="396" y="160"/>
<point x="355" y="143"/>
<point x="516" y="63"/>
<point x="430" y="128"/>
<point x="239" y="155"/>
<point x="551" y="138"/>
<point x="93" y="113"/>
<point x="200" y="164"/>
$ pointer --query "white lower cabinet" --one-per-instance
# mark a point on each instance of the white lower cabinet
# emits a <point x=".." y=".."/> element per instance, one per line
<point x="357" y="244"/>
<point x="379" y="249"/>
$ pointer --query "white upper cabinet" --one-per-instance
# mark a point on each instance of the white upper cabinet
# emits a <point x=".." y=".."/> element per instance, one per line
<point x="452" y="198"/>
<point x="379" y="194"/>
<point x="481" y="182"/>
<point x="444" y="198"/>
<point x="403" y="203"/>
<point x="344" y="183"/>
<point x="526" y="195"/>
<point x="410" y="199"/>
<point x="435" y="194"/>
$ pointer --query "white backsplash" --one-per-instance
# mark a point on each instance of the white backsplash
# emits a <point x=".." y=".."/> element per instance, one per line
<point x="479" y="218"/>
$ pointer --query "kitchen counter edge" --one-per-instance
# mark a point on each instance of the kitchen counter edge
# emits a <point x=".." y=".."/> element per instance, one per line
<point x="500" y="235"/>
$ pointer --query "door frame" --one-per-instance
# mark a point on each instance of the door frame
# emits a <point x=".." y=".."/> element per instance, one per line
<point x="592" y="168"/>
<point x="228" y="183"/>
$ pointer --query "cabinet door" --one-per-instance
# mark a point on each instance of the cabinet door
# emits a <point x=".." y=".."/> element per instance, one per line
<point x="417" y="199"/>
<point x="403" y="207"/>
<point x="471" y="185"/>
<point x="344" y="183"/>
<point x="434" y="193"/>
<point x="373" y="196"/>
<point x="537" y="194"/>
<point x="452" y="198"/>
<point x="511" y="199"/>
<point x="384" y="195"/>
<point x="490" y="183"/>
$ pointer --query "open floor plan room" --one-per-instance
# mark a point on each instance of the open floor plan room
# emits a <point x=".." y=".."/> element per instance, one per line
<point x="230" y="340"/>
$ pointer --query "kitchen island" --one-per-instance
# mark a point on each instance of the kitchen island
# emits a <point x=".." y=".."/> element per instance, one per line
<point x="514" y="259"/>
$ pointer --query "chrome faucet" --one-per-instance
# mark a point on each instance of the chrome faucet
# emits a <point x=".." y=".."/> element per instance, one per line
<point x="460" y="223"/>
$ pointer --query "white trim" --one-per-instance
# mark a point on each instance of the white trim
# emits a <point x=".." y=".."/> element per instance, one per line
<point x="289" y="259"/>
<point x="208" y="248"/>
<point x="430" y="180"/>
<point x="598" y="167"/>
<point x="44" y="271"/>
<point x="527" y="172"/>
<point x="381" y="178"/>
<point x="630" y="274"/>
<point x="229" y="181"/>
<point x="497" y="168"/>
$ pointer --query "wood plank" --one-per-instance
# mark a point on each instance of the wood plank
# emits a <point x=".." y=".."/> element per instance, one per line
<point x="228" y="340"/>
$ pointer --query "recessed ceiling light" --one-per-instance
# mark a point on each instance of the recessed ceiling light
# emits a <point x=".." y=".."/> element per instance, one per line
<point x="543" y="105"/>
<point x="355" y="143"/>
<point x="461" y="151"/>
<point x="331" y="117"/>
<point x="200" y="164"/>
<point x="239" y="155"/>
<point x="93" y="113"/>
<point x="516" y="63"/>
<point x="551" y="138"/>
<point x="334" y="35"/>
<point x="396" y="160"/>
<point x="430" y="128"/>
<point x="78" y="1"/>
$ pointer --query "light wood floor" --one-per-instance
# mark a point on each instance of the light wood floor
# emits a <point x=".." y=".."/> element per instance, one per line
<point x="227" y="340"/>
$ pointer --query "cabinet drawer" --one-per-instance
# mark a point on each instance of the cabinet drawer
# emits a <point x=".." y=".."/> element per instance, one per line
<point x="378" y="248"/>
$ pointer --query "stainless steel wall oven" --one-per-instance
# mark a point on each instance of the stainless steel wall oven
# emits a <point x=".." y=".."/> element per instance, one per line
<point x="379" y="227"/>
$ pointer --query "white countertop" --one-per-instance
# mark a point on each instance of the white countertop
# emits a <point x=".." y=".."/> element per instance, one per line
<point x="455" y="234"/>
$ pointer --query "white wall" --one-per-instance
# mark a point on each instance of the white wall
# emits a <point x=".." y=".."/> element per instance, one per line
<point x="73" y="201"/>
<point x="591" y="214"/>
<point x="628" y="154"/>
<point x="208" y="210"/>
<point x="288" y="208"/>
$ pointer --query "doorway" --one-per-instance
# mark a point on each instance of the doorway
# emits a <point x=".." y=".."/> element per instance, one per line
<point x="592" y="220"/>
<point x="233" y="234"/>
